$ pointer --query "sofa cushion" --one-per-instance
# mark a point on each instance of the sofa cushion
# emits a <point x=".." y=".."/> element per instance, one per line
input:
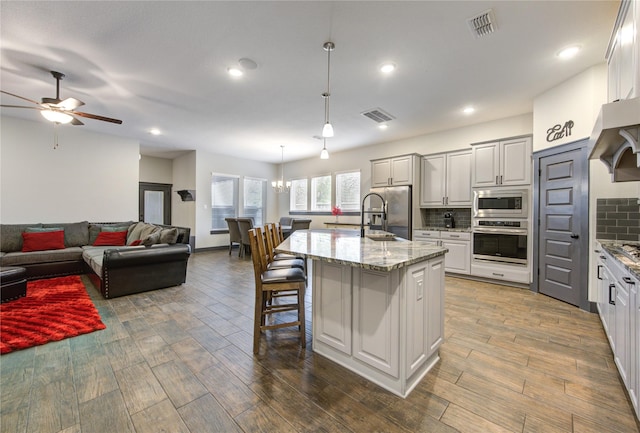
<point x="93" y="257"/>
<point x="42" y="241"/>
<point x="95" y="228"/>
<point x="75" y="234"/>
<point x="111" y="238"/>
<point x="168" y="236"/>
<point x="11" y="236"/>
<point x="140" y="231"/>
<point x="42" y="229"/>
<point x="19" y="258"/>
<point x="151" y="239"/>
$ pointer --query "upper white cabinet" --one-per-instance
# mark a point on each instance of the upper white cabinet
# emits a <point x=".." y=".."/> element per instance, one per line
<point x="398" y="170"/>
<point x="502" y="163"/>
<point x="446" y="180"/>
<point x="623" y="53"/>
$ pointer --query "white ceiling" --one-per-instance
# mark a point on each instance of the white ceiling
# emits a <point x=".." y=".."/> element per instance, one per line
<point x="164" y="64"/>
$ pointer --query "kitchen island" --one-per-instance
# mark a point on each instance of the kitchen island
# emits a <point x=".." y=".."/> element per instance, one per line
<point x="378" y="305"/>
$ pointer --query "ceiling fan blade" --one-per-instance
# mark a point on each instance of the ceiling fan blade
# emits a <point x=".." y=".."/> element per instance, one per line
<point x="76" y="122"/>
<point x="21" y="106"/>
<point x="96" y="117"/>
<point x="69" y="104"/>
<point x="20" y="97"/>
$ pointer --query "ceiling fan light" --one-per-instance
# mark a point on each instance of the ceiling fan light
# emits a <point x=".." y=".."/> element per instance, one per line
<point x="327" y="130"/>
<point x="56" y="116"/>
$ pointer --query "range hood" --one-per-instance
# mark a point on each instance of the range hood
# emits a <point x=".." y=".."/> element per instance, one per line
<point x="615" y="139"/>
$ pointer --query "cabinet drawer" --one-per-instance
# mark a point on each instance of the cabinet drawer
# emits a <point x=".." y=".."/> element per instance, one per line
<point x="501" y="272"/>
<point x="459" y="236"/>
<point x="423" y="234"/>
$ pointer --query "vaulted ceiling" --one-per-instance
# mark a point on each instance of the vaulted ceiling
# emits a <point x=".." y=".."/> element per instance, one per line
<point x="163" y="64"/>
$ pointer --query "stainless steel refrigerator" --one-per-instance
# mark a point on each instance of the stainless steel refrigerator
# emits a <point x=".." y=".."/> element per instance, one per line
<point x="398" y="221"/>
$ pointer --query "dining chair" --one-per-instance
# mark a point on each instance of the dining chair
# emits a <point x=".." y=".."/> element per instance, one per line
<point x="299" y="224"/>
<point x="275" y="284"/>
<point x="244" y="225"/>
<point x="234" y="234"/>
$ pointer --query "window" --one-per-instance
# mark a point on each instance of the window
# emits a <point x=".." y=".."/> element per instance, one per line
<point x="255" y="192"/>
<point x="224" y="200"/>
<point x="298" y="195"/>
<point x="348" y="191"/>
<point x="321" y="193"/>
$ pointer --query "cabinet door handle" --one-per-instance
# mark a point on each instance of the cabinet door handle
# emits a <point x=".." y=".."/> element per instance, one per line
<point x="603" y="257"/>
<point x="500" y="179"/>
<point x="612" y="300"/>
<point x="497" y="274"/>
<point x="575" y="235"/>
<point x="598" y="272"/>
<point x="442" y="200"/>
<point x="628" y="280"/>
<point x="454" y="236"/>
<point x="497" y="181"/>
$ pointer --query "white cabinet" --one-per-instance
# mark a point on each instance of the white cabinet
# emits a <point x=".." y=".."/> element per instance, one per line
<point x="399" y="170"/>
<point x="619" y="309"/>
<point x="446" y="180"/>
<point x="332" y="305"/>
<point x="502" y="163"/>
<point x="623" y="54"/>
<point x="458" y="258"/>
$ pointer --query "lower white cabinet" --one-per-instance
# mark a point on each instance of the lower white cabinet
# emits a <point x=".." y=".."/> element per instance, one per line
<point x="458" y="258"/>
<point x="619" y="310"/>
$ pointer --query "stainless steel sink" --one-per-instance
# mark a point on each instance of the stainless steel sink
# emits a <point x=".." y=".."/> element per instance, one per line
<point x="381" y="236"/>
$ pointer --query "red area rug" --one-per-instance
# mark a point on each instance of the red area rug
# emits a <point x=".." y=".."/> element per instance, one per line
<point x="54" y="309"/>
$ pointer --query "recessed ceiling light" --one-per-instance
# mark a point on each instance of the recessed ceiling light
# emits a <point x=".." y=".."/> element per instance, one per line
<point x="569" y="52"/>
<point x="468" y="110"/>
<point x="235" y="72"/>
<point x="387" y="68"/>
<point x="383" y="126"/>
<point x="155" y="131"/>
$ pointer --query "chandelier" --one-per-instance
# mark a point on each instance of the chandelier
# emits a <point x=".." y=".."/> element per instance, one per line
<point x="280" y="185"/>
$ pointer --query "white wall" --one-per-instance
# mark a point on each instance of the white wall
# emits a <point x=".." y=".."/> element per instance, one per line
<point x="183" y="213"/>
<point x="89" y="176"/>
<point x="156" y="170"/>
<point x="578" y="99"/>
<point x="208" y="163"/>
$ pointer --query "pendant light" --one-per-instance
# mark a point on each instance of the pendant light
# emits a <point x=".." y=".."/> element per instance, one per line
<point x="327" y="129"/>
<point x="280" y="185"/>
<point x="325" y="153"/>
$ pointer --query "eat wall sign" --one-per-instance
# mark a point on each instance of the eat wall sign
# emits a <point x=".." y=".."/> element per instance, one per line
<point x="559" y="131"/>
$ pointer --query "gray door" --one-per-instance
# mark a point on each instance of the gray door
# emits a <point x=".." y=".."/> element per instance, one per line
<point x="563" y="217"/>
<point x="155" y="203"/>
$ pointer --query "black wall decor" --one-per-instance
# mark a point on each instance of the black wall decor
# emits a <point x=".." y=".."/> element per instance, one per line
<point x="559" y="131"/>
<point x="187" y="194"/>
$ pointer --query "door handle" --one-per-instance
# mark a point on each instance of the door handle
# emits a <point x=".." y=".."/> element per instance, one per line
<point x="575" y="236"/>
<point x="611" y="300"/>
<point x="598" y="272"/>
<point x="628" y="280"/>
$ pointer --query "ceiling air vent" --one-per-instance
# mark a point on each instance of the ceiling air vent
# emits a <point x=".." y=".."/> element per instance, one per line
<point x="482" y="24"/>
<point x="378" y="115"/>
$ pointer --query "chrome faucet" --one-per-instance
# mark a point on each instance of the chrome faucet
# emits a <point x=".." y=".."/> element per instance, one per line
<point x="384" y="212"/>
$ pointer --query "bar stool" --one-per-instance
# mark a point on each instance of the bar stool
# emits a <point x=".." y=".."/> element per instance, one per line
<point x="275" y="283"/>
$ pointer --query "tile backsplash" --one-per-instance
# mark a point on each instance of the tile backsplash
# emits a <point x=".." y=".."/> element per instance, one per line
<point x="435" y="217"/>
<point x="618" y="219"/>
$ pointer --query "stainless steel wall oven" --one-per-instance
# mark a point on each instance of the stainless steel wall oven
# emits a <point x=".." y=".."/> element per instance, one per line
<point x="500" y="240"/>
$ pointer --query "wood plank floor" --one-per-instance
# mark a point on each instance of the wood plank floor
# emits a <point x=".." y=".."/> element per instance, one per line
<point x="180" y="360"/>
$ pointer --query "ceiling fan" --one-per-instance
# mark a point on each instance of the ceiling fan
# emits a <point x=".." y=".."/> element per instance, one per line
<point x="59" y="110"/>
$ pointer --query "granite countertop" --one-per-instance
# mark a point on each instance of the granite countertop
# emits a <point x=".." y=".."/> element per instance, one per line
<point x="613" y="248"/>
<point x="348" y="248"/>
<point x="444" y="229"/>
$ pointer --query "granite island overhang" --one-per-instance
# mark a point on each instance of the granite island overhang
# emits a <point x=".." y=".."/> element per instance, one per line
<point x="378" y="305"/>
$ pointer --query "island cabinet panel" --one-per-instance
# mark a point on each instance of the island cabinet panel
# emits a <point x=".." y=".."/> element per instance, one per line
<point x="332" y="302"/>
<point x="376" y="313"/>
<point x="435" y="305"/>
<point x="416" y="308"/>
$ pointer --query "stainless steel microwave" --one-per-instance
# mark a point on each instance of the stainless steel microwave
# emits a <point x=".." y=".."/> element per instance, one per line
<point x="500" y="203"/>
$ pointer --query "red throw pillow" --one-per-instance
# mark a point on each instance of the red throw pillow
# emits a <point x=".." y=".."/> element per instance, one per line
<point x="117" y="239"/>
<point x="42" y="241"/>
<point x="135" y="243"/>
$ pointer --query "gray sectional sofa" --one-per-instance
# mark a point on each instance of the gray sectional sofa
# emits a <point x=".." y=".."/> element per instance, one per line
<point x="154" y="256"/>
